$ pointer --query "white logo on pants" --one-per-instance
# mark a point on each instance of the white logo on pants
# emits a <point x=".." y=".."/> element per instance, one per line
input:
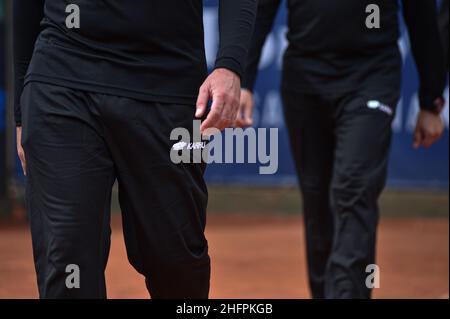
<point x="377" y="105"/>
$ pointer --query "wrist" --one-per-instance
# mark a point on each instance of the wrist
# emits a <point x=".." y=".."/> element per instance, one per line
<point x="436" y="107"/>
<point x="247" y="89"/>
<point x="229" y="65"/>
<point x="228" y="72"/>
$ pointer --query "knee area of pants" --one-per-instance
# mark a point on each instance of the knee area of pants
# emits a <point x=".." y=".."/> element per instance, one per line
<point x="348" y="190"/>
<point x="179" y="259"/>
<point x="313" y="185"/>
<point x="353" y="184"/>
<point x="320" y="245"/>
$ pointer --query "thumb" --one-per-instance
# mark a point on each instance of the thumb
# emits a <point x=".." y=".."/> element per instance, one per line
<point x="23" y="162"/>
<point x="24" y="168"/>
<point x="202" y="101"/>
<point x="248" y="113"/>
<point x="418" y="138"/>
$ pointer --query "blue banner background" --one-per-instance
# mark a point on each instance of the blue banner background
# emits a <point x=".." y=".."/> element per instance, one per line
<point x="408" y="167"/>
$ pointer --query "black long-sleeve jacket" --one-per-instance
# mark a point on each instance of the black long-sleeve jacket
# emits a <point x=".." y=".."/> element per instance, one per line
<point x="332" y="49"/>
<point x="143" y="49"/>
<point x="443" y="26"/>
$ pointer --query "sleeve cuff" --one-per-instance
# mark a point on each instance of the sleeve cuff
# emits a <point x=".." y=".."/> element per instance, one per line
<point x="429" y="103"/>
<point x="248" y="83"/>
<point x="230" y="64"/>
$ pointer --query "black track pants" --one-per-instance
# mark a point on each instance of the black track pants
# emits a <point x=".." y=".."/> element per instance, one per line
<point x="77" y="144"/>
<point x="340" y="145"/>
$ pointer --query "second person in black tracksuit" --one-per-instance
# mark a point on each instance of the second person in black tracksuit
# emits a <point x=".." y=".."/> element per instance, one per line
<point x="341" y="84"/>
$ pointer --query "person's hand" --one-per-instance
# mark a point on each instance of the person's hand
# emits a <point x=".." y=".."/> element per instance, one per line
<point x="224" y="88"/>
<point x="429" y="129"/>
<point x="245" y="114"/>
<point x="20" y="151"/>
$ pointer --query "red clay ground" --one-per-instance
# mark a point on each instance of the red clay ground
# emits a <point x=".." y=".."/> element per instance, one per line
<point x="262" y="257"/>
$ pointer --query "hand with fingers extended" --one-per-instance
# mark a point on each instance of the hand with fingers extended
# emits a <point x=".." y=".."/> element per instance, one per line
<point x="223" y="87"/>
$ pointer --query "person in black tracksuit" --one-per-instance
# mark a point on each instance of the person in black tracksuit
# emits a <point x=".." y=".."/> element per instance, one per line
<point x="340" y="87"/>
<point x="97" y="104"/>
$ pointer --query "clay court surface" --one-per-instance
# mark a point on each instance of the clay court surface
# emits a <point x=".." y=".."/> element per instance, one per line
<point x="262" y="257"/>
